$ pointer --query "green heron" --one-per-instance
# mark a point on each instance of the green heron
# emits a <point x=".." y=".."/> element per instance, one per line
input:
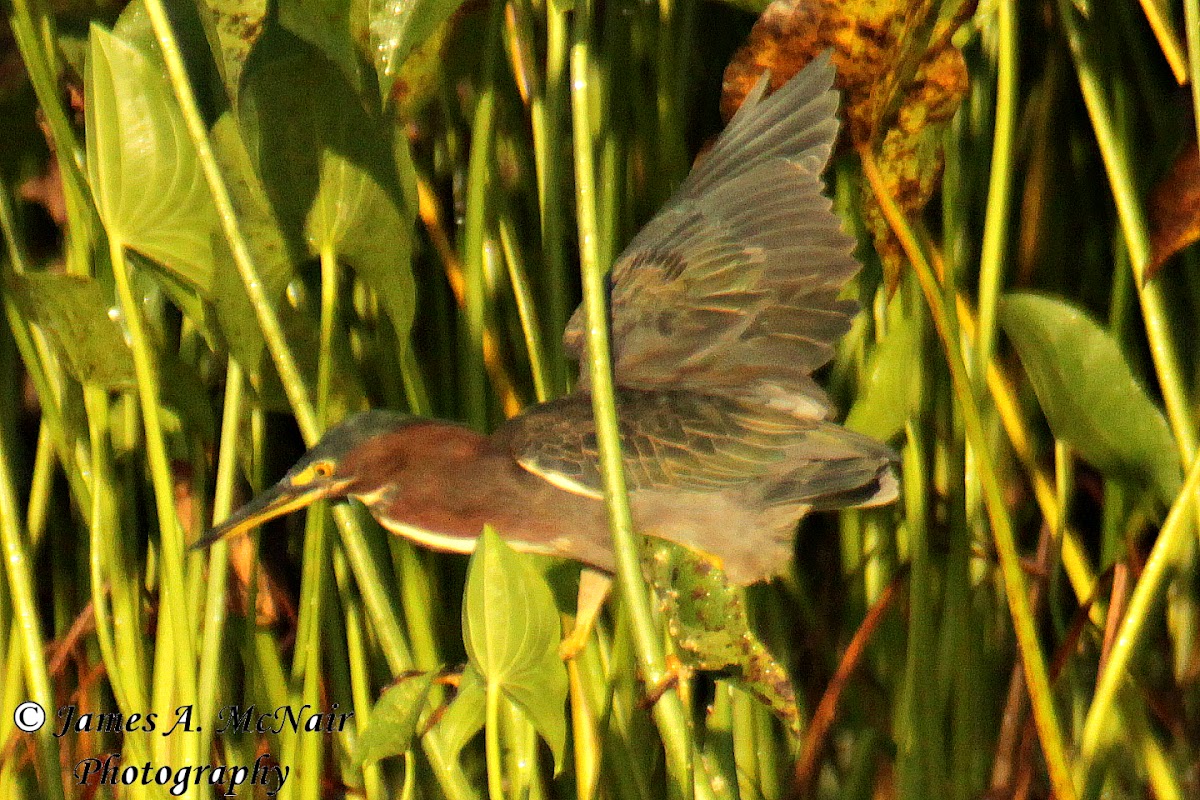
<point x="721" y="308"/>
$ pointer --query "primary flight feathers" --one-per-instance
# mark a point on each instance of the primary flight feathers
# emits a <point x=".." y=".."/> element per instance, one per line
<point x="732" y="288"/>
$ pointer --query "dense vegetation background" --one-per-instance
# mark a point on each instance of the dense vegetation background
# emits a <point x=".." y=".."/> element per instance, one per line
<point x="225" y="229"/>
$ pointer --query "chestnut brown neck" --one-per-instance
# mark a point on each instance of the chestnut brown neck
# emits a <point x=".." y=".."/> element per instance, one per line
<point x="441" y="478"/>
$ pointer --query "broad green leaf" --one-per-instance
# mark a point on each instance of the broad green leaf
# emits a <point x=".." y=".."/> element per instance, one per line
<point x="891" y="390"/>
<point x="236" y="25"/>
<point x="448" y="55"/>
<point x="541" y="693"/>
<point x="511" y="632"/>
<point x="73" y="312"/>
<point x="134" y="28"/>
<point x="324" y="24"/>
<point x="234" y="325"/>
<point x="356" y="218"/>
<point x="400" y="26"/>
<point x="418" y="80"/>
<point x="465" y="715"/>
<point x="1088" y="393"/>
<point x="329" y="167"/>
<point x="265" y="238"/>
<point x="143" y="170"/>
<point x="392" y="725"/>
<point x="78" y="317"/>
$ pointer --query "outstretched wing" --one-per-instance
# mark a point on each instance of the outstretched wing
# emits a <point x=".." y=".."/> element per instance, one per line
<point x="683" y="442"/>
<point x="733" y="287"/>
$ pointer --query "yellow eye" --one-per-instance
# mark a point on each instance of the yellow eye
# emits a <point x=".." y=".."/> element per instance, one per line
<point x="313" y="472"/>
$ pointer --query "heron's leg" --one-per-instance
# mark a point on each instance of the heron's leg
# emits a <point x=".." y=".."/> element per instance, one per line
<point x="675" y="677"/>
<point x="594" y="587"/>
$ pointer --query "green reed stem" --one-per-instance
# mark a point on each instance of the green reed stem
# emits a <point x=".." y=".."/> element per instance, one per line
<point x="359" y="665"/>
<point x="669" y="712"/>
<point x="213" y="624"/>
<point x="19" y="568"/>
<point x="480" y="187"/>
<point x="116" y="593"/>
<point x="1000" y="181"/>
<point x="556" y="200"/>
<point x="491" y="736"/>
<point x="526" y="309"/>
<point x="546" y="94"/>
<point x="1045" y="716"/>
<point x="1191" y="16"/>
<point x="181" y="655"/>
<point x="1164" y="558"/>
<point x="81" y="212"/>
<point x="36" y="367"/>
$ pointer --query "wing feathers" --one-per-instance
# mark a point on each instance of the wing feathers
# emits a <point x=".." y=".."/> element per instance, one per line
<point x="722" y="307"/>
<point x="678" y="441"/>
<point x="732" y="288"/>
<point x="797" y="122"/>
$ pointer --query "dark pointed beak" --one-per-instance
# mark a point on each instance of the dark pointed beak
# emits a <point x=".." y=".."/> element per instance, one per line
<point x="280" y="499"/>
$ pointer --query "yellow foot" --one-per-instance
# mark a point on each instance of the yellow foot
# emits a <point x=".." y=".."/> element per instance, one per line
<point x="573" y="644"/>
<point x="677" y="671"/>
<point x="593" y="590"/>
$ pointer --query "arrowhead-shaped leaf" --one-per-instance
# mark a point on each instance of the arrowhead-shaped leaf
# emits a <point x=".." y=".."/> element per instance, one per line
<point x="1088" y="393"/>
<point x="142" y="168"/>
<point x="466" y="713"/>
<point x="511" y="632"/>
<point x="891" y="390"/>
<point x="393" y="722"/>
<point x="366" y="225"/>
<point x="329" y="167"/>
<point x="400" y="26"/>
<point x="268" y="245"/>
<point x="73" y="313"/>
<point x="325" y="24"/>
